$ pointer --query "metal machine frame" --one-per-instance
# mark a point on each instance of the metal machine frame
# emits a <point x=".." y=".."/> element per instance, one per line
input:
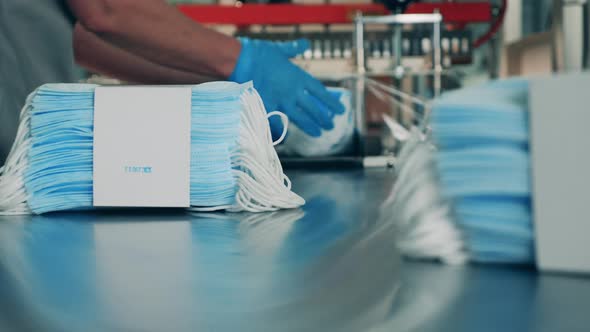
<point x="396" y="21"/>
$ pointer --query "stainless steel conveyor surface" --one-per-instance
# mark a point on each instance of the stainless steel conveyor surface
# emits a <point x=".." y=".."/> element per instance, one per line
<point x="330" y="266"/>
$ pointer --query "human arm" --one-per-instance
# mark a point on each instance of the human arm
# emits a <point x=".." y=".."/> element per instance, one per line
<point x="97" y="55"/>
<point x="159" y="33"/>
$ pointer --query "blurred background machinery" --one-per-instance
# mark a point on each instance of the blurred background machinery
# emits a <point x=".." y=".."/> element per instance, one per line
<point x="397" y="55"/>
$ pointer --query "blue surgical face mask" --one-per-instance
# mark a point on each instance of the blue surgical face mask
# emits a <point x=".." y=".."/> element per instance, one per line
<point x="514" y="90"/>
<point x="495" y="114"/>
<point x="486" y="170"/>
<point x="233" y="162"/>
<point x="490" y="189"/>
<point x="330" y="142"/>
<point x="497" y="229"/>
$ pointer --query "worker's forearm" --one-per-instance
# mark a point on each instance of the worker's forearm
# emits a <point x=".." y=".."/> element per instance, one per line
<point x="159" y="33"/>
<point x="101" y="57"/>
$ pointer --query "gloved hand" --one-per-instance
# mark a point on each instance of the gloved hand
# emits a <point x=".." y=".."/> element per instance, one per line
<point x="284" y="86"/>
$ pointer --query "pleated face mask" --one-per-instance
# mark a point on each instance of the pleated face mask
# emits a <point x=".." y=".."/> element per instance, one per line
<point x="233" y="163"/>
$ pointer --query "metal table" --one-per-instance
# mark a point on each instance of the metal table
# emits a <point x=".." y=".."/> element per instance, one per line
<point x="331" y="266"/>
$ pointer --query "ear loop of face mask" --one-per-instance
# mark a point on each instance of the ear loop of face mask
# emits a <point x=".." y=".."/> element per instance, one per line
<point x="424" y="219"/>
<point x="13" y="195"/>
<point x="265" y="186"/>
<point x="426" y="229"/>
<point x="285" y="121"/>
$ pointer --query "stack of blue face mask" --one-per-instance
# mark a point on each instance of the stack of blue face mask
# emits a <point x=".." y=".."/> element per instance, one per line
<point x="467" y="194"/>
<point x="233" y="162"/>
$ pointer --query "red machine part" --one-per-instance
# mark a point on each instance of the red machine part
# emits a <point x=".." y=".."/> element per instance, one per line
<point x="289" y="14"/>
<point x="494" y="27"/>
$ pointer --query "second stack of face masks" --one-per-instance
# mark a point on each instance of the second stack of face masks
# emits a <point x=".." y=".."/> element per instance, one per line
<point x="467" y="194"/>
<point x="233" y="165"/>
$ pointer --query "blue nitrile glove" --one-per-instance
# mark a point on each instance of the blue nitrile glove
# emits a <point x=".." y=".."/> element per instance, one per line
<point x="284" y="86"/>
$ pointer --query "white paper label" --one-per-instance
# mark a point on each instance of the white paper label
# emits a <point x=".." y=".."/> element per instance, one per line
<point x="142" y="142"/>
